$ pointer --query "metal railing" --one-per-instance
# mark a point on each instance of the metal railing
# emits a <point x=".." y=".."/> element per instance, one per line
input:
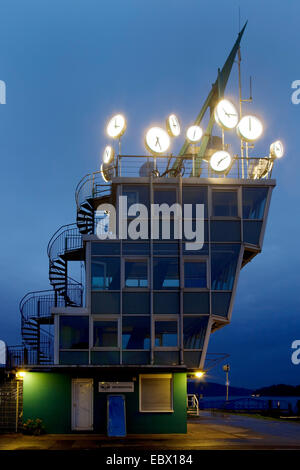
<point x="91" y="186"/>
<point x="18" y="356"/>
<point x="193" y="404"/>
<point x="66" y="238"/>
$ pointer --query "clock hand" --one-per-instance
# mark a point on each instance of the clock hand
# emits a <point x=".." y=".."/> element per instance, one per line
<point x="157" y="142"/>
<point x="116" y="123"/>
<point x="250" y="124"/>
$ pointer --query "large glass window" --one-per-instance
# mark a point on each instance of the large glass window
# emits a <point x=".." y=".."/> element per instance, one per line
<point x="225" y="230"/>
<point x="136" y="332"/>
<point x="165" y="273"/>
<point x="254" y="201"/>
<point x="136" y="194"/>
<point x="224" y="260"/>
<point x="195" y="274"/>
<point x="105" y="334"/>
<point x="105" y="273"/>
<point x="251" y="231"/>
<point x="136" y="303"/>
<point x="156" y="393"/>
<point x="224" y="203"/>
<point x="194" y="330"/>
<point x="166" y="195"/>
<point x="195" y="195"/>
<point x="166" y="333"/>
<point x="73" y="332"/>
<point x="136" y="273"/>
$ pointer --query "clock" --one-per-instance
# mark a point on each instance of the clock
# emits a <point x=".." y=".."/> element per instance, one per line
<point x="220" y="161"/>
<point x="173" y="126"/>
<point x="157" y="141"/>
<point x="226" y="115"/>
<point x="277" y="149"/>
<point x="249" y="128"/>
<point x="116" y="126"/>
<point x="194" y="134"/>
<point x="108" y="154"/>
<point x="106" y="172"/>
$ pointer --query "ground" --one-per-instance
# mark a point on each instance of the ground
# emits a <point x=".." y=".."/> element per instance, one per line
<point x="209" y="431"/>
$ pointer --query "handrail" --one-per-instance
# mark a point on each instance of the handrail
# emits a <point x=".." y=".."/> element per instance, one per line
<point x="65" y="231"/>
<point x="95" y="183"/>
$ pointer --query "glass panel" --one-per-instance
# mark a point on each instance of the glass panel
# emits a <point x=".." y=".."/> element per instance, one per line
<point x="192" y="358"/>
<point x="136" y="194"/>
<point x="195" y="195"/>
<point x="166" y="302"/>
<point x="196" y="303"/>
<point x="202" y="252"/>
<point x="194" y="330"/>
<point x="254" y="201"/>
<point x="105" y="334"/>
<point x="135" y="248"/>
<point x="170" y="358"/>
<point x="165" y="248"/>
<point x="105" y="273"/>
<point x="166" y="334"/>
<point x="224" y="260"/>
<point x="136" y="357"/>
<point x="136" y="273"/>
<point x="136" y="333"/>
<point x="167" y="196"/>
<point x="73" y="357"/>
<point x="106" y="302"/>
<point x="136" y="303"/>
<point x="105" y="357"/>
<point x="165" y="273"/>
<point x="105" y="248"/>
<point x="73" y="332"/>
<point x="195" y="274"/>
<point x="251" y="232"/>
<point x="224" y="203"/>
<point x="190" y="225"/>
<point x="220" y="302"/>
<point x="229" y="231"/>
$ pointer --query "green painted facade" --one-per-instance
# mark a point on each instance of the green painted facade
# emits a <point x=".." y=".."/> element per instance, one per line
<point x="48" y="396"/>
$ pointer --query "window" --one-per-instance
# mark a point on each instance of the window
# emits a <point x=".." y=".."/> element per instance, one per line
<point x="136" y="273"/>
<point x="254" y="201"/>
<point x="104" y="247"/>
<point x="156" y="393"/>
<point x="136" y="194"/>
<point x="224" y="260"/>
<point x="166" y="335"/>
<point x="105" y="334"/>
<point x="136" y="332"/>
<point x="224" y="203"/>
<point x="73" y="332"/>
<point x="194" y="330"/>
<point x="251" y="231"/>
<point x="165" y="273"/>
<point x="195" y="195"/>
<point x="105" y="273"/>
<point x="165" y="196"/>
<point x="195" y="274"/>
<point x="225" y="231"/>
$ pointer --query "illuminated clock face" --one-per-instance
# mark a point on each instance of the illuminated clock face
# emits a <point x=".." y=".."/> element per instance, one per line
<point x="194" y="134"/>
<point x="157" y="140"/>
<point x="173" y="126"/>
<point x="108" y="154"/>
<point x="249" y="128"/>
<point x="226" y="115"/>
<point x="220" y="161"/>
<point x="116" y="126"/>
<point x="276" y="149"/>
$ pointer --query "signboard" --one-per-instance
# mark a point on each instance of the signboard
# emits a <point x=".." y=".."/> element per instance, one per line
<point x="116" y="387"/>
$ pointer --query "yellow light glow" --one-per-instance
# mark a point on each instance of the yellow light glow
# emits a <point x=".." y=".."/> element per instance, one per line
<point x="116" y="126"/>
<point x="277" y="149"/>
<point x="20" y="374"/>
<point x="199" y="374"/>
<point x="194" y="134"/>
<point x="226" y="115"/>
<point x="103" y="173"/>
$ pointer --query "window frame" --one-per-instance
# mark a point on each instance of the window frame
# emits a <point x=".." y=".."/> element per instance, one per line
<point x="235" y="189"/>
<point x="157" y="318"/>
<point x="195" y="259"/>
<point x="59" y="331"/>
<point x="123" y="278"/>
<point x="157" y="376"/>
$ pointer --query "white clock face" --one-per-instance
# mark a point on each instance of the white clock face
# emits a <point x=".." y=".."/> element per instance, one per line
<point x="226" y="115"/>
<point x="104" y="173"/>
<point x="220" y="161"/>
<point x="194" y="134"/>
<point x="157" y="140"/>
<point x="277" y="149"/>
<point x="108" y="154"/>
<point x="116" y="126"/>
<point x="249" y="128"/>
<point x="173" y="126"/>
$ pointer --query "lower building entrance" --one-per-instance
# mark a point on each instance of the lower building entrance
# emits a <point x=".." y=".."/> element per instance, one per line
<point x="82" y="404"/>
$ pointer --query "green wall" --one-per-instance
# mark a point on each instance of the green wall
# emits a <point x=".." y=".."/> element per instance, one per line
<point x="48" y="396"/>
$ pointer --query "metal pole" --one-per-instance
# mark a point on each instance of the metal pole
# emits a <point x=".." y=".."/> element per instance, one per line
<point x="241" y="111"/>
<point x="17" y="407"/>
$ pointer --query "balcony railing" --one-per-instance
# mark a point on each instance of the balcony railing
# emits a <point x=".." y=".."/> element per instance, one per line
<point x="66" y="238"/>
<point x="91" y="186"/>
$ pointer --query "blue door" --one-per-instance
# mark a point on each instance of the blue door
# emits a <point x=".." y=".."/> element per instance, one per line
<point x="116" y="416"/>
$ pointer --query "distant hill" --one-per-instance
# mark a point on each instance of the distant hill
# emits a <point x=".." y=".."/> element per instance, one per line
<point x="280" y="390"/>
<point x="212" y="389"/>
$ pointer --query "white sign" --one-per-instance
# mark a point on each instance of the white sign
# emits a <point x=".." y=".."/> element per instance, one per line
<point x="116" y="387"/>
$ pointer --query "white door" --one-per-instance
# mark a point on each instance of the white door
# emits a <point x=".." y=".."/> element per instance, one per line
<point x="82" y="404"/>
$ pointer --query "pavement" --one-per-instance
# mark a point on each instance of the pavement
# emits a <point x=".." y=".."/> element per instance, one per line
<point x="209" y="431"/>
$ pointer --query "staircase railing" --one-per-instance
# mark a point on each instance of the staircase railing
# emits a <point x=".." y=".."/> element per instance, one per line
<point x="91" y="186"/>
<point x="66" y="238"/>
<point x="193" y="404"/>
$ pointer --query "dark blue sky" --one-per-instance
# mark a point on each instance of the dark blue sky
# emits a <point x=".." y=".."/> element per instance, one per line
<point x="69" y="64"/>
